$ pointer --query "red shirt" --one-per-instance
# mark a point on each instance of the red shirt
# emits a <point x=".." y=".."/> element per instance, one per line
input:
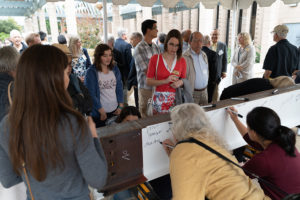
<point x="163" y="73"/>
<point x="275" y="166"/>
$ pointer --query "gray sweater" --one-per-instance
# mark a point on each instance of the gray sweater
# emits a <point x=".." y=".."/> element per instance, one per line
<point x="84" y="164"/>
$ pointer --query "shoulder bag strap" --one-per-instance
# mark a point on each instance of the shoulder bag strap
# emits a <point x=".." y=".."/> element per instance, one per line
<point x="156" y="66"/>
<point x="27" y="181"/>
<point x="153" y="88"/>
<point x="271" y="185"/>
<point x="9" y="94"/>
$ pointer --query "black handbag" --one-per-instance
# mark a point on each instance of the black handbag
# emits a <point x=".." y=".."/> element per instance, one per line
<point x="287" y="196"/>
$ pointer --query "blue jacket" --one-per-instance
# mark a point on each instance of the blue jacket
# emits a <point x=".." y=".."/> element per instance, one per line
<point x="91" y="82"/>
<point x="88" y="60"/>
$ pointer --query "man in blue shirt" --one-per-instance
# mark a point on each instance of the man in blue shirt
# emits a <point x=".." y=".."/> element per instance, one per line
<point x="197" y="68"/>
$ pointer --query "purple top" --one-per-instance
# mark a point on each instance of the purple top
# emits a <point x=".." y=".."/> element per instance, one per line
<point x="275" y="166"/>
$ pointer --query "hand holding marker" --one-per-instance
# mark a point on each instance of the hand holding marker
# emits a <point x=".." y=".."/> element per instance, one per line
<point x="169" y="146"/>
<point x="237" y="114"/>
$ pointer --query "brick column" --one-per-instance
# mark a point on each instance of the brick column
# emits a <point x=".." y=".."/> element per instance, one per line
<point x="116" y="20"/>
<point x="270" y="20"/>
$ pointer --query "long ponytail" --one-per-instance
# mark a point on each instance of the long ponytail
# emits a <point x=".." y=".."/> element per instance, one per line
<point x="286" y="139"/>
<point x="266" y="123"/>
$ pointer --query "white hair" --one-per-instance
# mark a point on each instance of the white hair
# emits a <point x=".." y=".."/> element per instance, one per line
<point x="121" y="32"/>
<point x="110" y="38"/>
<point x="190" y="118"/>
<point x="14" y="33"/>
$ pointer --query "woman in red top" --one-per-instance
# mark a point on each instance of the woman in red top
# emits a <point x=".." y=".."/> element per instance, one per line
<point x="165" y="71"/>
<point x="279" y="161"/>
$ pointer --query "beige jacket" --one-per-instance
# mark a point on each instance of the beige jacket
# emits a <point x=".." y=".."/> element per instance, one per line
<point x="190" y="68"/>
<point x="197" y="173"/>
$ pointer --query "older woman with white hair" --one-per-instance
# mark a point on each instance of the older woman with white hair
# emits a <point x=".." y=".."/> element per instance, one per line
<point x="243" y="59"/>
<point x="197" y="173"/>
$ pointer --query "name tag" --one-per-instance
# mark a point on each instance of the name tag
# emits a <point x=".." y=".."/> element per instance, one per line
<point x="175" y="72"/>
<point x="221" y="52"/>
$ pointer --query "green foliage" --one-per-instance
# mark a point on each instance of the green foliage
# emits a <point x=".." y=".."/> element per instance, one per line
<point x="228" y="55"/>
<point x="3" y="36"/>
<point x="7" y="25"/>
<point x="257" y="57"/>
<point x="88" y="31"/>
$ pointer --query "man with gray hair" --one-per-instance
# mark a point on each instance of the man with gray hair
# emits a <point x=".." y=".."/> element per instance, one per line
<point x="16" y="39"/>
<point x="117" y="54"/>
<point x="185" y="39"/>
<point x="135" y="38"/>
<point x="282" y="58"/>
<point x="125" y="49"/>
<point x="212" y="57"/>
<point x="197" y="68"/>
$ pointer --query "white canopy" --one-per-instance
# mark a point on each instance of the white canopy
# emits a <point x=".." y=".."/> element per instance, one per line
<point x="210" y="4"/>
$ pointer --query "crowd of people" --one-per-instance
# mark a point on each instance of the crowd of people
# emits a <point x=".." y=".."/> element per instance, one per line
<point x="50" y="109"/>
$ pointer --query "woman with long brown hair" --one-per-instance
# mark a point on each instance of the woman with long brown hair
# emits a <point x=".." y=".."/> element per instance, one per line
<point x="104" y="82"/>
<point x="44" y="141"/>
<point x="165" y="72"/>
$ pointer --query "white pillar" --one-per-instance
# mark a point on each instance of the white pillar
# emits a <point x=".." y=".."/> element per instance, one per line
<point x="35" y="23"/>
<point x="104" y="10"/>
<point x="147" y="13"/>
<point x="205" y="20"/>
<point x="42" y="20"/>
<point x="186" y="19"/>
<point x="139" y="21"/>
<point x="28" y="27"/>
<point x="194" y="19"/>
<point x="51" y="9"/>
<point x="71" y="17"/>
<point x="165" y="20"/>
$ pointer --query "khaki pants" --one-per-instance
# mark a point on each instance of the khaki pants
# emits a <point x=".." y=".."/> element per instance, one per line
<point x="144" y="95"/>
<point x="215" y="97"/>
<point x="200" y="97"/>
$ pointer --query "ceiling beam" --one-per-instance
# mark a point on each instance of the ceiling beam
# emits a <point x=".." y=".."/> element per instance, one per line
<point x="15" y="4"/>
<point x="12" y="11"/>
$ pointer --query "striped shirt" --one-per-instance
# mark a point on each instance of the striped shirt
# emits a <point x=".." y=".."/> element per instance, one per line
<point x="142" y="54"/>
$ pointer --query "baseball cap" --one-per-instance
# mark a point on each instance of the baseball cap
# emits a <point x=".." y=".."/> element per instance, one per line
<point x="281" y="29"/>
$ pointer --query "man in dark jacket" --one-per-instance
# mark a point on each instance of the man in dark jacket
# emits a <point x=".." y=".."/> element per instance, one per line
<point x="221" y="50"/>
<point x="135" y="38"/>
<point x="212" y="67"/>
<point x="125" y="49"/>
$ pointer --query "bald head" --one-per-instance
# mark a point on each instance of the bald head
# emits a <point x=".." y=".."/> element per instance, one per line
<point x="196" y="41"/>
<point x="186" y="35"/>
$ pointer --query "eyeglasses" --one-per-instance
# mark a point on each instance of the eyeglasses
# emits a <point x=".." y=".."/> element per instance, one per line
<point x="154" y="28"/>
<point x="173" y="45"/>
